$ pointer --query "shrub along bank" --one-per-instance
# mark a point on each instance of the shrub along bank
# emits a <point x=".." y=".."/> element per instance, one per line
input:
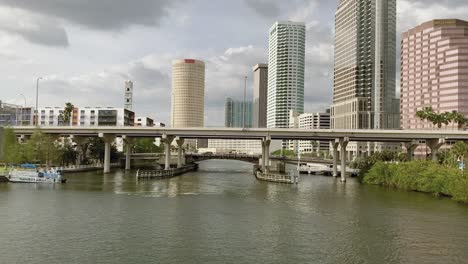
<point x="421" y="176"/>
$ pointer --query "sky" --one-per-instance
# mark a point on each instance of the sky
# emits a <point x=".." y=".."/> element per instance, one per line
<point x="85" y="50"/>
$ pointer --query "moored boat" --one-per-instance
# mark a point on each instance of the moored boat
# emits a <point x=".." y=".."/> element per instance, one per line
<point x="29" y="173"/>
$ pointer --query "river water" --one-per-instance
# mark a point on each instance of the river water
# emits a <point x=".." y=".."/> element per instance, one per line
<point x="222" y="214"/>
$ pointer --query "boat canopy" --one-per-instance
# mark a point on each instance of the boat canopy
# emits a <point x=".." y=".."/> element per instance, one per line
<point x="28" y="166"/>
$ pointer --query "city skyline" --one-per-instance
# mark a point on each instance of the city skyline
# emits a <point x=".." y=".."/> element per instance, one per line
<point x="78" y="57"/>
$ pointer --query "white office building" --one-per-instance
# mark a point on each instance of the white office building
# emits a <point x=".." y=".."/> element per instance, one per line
<point x="286" y="60"/>
<point x="312" y="121"/>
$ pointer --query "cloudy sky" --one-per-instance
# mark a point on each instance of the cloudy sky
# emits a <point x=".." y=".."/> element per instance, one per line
<point x="86" y="49"/>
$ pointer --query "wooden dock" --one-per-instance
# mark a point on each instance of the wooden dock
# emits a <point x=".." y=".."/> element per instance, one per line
<point x="160" y="174"/>
<point x="275" y="177"/>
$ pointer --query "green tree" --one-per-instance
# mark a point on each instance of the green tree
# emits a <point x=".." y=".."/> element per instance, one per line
<point x="460" y="149"/>
<point x="460" y="119"/>
<point x="285" y="152"/>
<point x="425" y="114"/>
<point x="43" y="148"/>
<point x="11" y="147"/>
<point x="96" y="150"/>
<point x="67" y="153"/>
<point x="146" y="145"/>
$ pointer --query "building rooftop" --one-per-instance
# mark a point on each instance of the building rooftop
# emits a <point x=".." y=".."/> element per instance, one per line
<point x="435" y="24"/>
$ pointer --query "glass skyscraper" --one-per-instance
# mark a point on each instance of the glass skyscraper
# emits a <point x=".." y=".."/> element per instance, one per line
<point x="236" y="114"/>
<point x="365" y="63"/>
<point x="286" y="60"/>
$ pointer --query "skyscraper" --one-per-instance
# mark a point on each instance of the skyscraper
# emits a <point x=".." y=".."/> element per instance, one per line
<point x="286" y="60"/>
<point x="434" y="70"/>
<point x="188" y="93"/>
<point x="260" y="95"/>
<point x="237" y="114"/>
<point x="365" y="62"/>
<point x="128" y="95"/>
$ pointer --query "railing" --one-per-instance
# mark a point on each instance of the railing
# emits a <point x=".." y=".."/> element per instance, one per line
<point x="89" y="166"/>
<point x="280" y="178"/>
<point x="224" y="156"/>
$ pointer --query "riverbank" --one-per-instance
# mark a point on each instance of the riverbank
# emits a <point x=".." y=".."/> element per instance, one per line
<point x="421" y="176"/>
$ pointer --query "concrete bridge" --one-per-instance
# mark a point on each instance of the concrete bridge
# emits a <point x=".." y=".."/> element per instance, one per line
<point x="241" y="157"/>
<point x="149" y="159"/>
<point x="339" y="138"/>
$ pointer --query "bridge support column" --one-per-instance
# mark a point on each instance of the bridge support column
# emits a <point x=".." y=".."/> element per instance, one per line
<point x="1" y="143"/>
<point x="434" y="145"/>
<point x="410" y="148"/>
<point x="336" y="144"/>
<point x="343" y="143"/>
<point x="108" y="139"/>
<point x="265" y="153"/>
<point x="180" y="143"/>
<point x="129" y="143"/>
<point x="167" y="140"/>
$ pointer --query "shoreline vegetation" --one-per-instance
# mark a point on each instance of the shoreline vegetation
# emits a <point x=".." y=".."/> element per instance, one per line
<point x="43" y="149"/>
<point x="420" y="176"/>
<point x="440" y="178"/>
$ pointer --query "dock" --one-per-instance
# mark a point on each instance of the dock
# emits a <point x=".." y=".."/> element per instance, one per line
<point x="160" y="174"/>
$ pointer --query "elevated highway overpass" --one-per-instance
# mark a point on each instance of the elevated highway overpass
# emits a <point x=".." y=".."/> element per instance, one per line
<point x="338" y="137"/>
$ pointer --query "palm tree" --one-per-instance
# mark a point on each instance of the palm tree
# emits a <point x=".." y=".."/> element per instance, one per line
<point x="438" y="120"/>
<point x="460" y="119"/>
<point x="446" y="118"/>
<point x="426" y="114"/>
<point x="451" y="116"/>
<point x="67" y="112"/>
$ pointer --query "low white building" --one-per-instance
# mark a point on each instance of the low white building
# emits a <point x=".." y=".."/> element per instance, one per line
<point x="87" y="116"/>
<point x="312" y="121"/>
<point x="143" y="121"/>
<point x="239" y="146"/>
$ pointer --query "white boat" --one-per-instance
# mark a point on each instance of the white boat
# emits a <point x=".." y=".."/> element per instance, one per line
<point x="30" y="174"/>
<point x="313" y="168"/>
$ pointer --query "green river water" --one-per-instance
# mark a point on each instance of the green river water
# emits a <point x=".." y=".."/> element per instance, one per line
<point x="222" y="214"/>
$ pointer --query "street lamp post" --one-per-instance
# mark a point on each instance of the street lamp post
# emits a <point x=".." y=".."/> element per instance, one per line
<point x="36" y="111"/>
<point x="243" y="104"/>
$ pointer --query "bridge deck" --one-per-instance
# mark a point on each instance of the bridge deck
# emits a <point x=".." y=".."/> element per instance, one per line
<point x="254" y="133"/>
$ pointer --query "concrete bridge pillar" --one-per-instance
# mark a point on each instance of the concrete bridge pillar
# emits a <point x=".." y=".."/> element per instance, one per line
<point x="434" y="145"/>
<point x="1" y="143"/>
<point x="336" y="144"/>
<point x="265" y="153"/>
<point x="129" y="143"/>
<point x="180" y="143"/>
<point x="410" y="148"/>
<point x="343" y="143"/>
<point x="167" y="140"/>
<point x="108" y="139"/>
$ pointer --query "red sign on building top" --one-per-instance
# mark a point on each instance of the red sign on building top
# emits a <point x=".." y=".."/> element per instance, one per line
<point x="189" y="61"/>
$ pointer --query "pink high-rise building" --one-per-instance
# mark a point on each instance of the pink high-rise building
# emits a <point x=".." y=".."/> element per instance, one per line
<point x="434" y="70"/>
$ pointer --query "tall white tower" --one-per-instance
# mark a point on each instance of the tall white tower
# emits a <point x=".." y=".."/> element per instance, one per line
<point x="286" y="61"/>
<point x="188" y="93"/>
<point x="129" y="95"/>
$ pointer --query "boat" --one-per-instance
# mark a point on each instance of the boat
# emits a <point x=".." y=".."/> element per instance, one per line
<point x="29" y="173"/>
<point x="313" y="168"/>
